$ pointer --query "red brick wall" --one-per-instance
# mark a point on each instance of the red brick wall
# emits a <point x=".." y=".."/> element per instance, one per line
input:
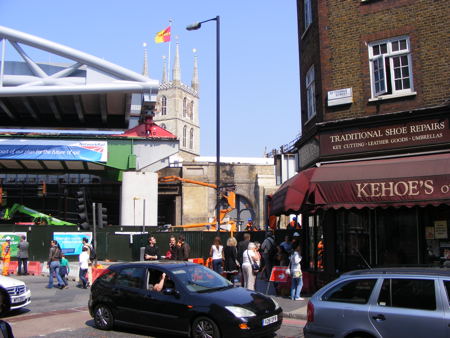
<point x="338" y="40"/>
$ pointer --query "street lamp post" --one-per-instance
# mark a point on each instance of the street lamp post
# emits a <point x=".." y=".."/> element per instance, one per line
<point x="196" y="26"/>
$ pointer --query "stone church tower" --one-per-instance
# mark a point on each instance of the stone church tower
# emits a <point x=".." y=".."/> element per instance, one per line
<point x="177" y="110"/>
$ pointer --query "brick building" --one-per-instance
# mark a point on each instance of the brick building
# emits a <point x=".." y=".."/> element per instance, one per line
<point x="374" y="155"/>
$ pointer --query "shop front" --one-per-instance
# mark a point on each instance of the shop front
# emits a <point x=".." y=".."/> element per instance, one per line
<point x="358" y="214"/>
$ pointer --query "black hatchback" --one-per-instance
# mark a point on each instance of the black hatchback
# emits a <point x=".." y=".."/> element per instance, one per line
<point x="180" y="298"/>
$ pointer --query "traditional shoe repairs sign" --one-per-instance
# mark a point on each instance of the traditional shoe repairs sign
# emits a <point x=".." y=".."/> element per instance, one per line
<point x="414" y="133"/>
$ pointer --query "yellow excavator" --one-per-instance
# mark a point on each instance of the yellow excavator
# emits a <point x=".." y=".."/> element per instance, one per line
<point x="230" y="197"/>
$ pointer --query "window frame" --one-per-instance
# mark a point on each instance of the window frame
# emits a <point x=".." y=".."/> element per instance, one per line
<point x="163" y="105"/>
<point x="191" y="138"/>
<point x="310" y="89"/>
<point x="184" y="136"/>
<point x="390" y="55"/>
<point x="307" y="13"/>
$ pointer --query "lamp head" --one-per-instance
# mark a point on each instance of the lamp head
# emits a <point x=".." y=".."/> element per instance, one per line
<point x="194" y="26"/>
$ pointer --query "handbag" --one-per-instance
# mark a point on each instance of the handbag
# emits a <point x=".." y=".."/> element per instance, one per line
<point x="255" y="265"/>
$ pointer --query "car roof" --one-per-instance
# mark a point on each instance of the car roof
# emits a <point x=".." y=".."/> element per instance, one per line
<point x="401" y="271"/>
<point x="166" y="264"/>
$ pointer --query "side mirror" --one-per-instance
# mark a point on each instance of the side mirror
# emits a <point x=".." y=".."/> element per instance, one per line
<point x="170" y="291"/>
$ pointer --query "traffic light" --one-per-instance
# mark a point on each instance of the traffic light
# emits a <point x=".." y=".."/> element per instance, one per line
<point x="102" y="217"/>
<point x="82" y="209"/>
<point x="42" y="190"/>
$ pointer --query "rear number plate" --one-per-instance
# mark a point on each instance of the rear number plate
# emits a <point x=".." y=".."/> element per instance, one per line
<point x="270" y="320"/>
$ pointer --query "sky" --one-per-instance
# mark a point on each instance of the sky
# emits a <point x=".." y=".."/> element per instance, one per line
<point x="259" y="63"/>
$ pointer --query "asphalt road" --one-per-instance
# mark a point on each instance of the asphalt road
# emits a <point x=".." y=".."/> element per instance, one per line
<point x="63" y="313"/>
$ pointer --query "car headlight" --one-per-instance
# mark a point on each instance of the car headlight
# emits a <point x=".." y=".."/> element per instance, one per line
<point x="240" y="311"/>
<point x="277" y="306"/>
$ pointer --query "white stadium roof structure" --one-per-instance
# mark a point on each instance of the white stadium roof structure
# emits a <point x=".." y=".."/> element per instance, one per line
<point x="83" y="91"/>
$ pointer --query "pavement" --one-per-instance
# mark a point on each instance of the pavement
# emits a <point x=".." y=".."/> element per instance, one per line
<point x="291" y="308"/>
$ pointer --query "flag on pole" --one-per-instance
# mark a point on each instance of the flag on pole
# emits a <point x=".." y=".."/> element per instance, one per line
<point x="163" y="36"/>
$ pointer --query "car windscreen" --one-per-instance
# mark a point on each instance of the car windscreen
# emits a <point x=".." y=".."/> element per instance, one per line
<point x="197" y="278"/>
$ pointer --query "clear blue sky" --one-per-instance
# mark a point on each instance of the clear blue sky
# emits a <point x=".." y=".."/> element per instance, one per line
<point x="260" y="100"/>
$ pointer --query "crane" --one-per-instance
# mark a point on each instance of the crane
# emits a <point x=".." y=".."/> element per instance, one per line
<point x="230" y="197"/>
<point x="38" y="217"/>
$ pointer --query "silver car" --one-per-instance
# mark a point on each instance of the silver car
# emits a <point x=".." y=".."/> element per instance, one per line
<point x="394" y="302"/>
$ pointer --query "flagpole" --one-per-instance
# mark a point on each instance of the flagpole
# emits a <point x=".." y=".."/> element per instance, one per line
<point x="170" y="44"/>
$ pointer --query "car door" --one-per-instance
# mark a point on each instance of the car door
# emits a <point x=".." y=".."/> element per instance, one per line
<point x="127" y="291"/>
<point x="408" y="307"/>
<point x="445" y="293"/>
<point x="165" y="309"/>
<point x="344" y="308"/>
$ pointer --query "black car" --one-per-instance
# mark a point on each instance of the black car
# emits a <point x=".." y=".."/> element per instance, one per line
<point x="193" y="300"/>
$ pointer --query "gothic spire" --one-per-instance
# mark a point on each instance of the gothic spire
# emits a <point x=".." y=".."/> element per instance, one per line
<point x="145" y="68"/>
<point x="194" y="82"/>
<point x="164" y="72"/>
<point x="176" y="72"/>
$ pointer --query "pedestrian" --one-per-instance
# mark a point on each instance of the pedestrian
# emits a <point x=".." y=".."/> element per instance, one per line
<point x="269" y="250"/>
<point x="183" y="249"/>
<point x="64" y="270"/>
<point x="22" y="255"/>
<point x="6" y="255"/>
<point x="172" y="252"/>
<point x="54" y="264"/>
<point x="241" y="247"/>
<point x="286" y="245"/>
<point x="90" y="251"/>
<point x="293" y="225"/>
<point x="151" y="252"/>
<point x="250" y="226"/>
<point x="250" y="256"/>
<point x="83" y="261"/>
<point x="231" y="263"/>
<point x="216" y="254"/>
<point x="296" y="273"/>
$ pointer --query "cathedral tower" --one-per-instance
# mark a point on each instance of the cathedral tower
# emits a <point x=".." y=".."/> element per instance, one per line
<point x="178" y="108"/>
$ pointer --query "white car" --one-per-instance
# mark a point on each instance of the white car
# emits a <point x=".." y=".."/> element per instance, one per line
<point x="14" y="294"/>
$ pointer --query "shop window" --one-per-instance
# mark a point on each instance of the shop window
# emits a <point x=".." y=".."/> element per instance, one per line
<point x="355" y="291"/>
<point x="353" y="240"/>
<point x="397" y="237"/>
<point x="317" y="248"/>
<point x="390" y="68"/>
<point x="408" y="293"/>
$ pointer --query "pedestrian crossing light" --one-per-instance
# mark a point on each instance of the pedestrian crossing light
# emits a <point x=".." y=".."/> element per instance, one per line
<point x="82" y="209"/>
<point x="102" y="217"/>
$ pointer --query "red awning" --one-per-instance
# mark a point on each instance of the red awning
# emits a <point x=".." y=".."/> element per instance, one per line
<point x="407" y="181"/>
<point x="290" y="196"/>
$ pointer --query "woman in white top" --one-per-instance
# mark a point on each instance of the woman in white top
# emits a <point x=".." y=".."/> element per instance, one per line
<point x="216" y="253"/>
<point x="251" y="255"/>
<point x="296" y="273"/>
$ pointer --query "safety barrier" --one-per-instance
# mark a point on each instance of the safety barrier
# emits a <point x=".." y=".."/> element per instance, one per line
<point x="12" y="268"/>
<point x="96" y="272"/>
<point x="200" y="261"/>
<point x="34" y="268"/>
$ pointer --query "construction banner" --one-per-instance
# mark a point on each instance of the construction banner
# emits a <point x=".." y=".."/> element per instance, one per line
<point x="279" y="274"/>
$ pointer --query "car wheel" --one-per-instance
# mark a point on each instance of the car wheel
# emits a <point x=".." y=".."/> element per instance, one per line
<point x="360" y="335"/>
<point x="5" y="302"/>
<point x="103" y="317"/>
<point x="204" y="327"/>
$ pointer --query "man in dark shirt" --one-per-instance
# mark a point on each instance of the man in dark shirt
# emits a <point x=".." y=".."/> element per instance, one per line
<point x="183" y="249"/>
<point x="151" y="252"/>
<point x="242" y="246"/>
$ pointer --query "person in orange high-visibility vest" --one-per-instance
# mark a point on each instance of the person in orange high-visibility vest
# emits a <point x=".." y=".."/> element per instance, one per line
<point x="6" y="255"/>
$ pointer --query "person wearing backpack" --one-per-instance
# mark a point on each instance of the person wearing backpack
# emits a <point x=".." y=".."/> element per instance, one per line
<point x="92" y="257"/>
<point x="54" y="258"/>
<point x="269" y="250"/>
